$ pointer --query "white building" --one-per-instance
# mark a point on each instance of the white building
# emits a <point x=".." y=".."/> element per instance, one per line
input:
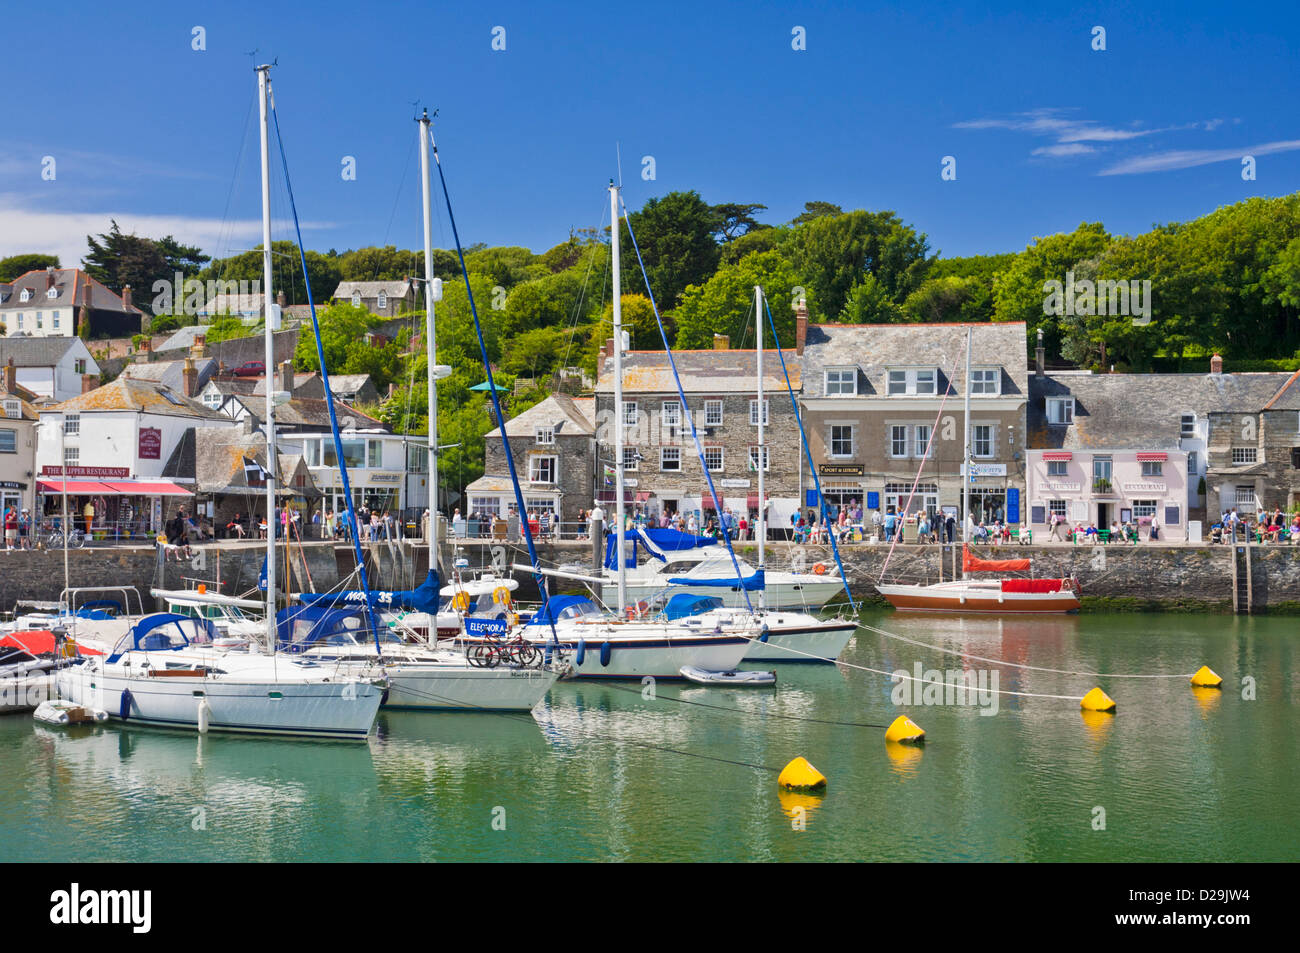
<point x="53" y="367"/>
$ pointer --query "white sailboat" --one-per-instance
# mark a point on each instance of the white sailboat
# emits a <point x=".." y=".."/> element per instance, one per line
<point x="169" y="671"/>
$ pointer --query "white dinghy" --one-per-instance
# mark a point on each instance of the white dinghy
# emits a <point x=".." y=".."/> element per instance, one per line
<point x="739" y="679"/>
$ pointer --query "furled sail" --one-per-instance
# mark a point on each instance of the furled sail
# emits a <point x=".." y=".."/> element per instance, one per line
<point x="971" y="563"/>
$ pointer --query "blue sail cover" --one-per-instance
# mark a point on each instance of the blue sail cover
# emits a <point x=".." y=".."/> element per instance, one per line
<point x="655" y="542"/>
<point x="685" y="604"/>
<point x="750" y="583"/>
<point x="422" y="599"/>
<point x="554" y="608"/>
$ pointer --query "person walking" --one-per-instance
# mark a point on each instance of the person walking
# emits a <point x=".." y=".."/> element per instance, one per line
<point x="1155" y="528"/>
<point x="11" y="529"/>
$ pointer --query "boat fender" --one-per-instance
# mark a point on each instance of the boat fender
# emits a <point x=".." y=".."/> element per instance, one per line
<point x="205" y="713"/>
<point x="124" y="709"/>
<point x="383" y="699"/>
<point x="762" y="636"/>
<point x="606" y="649"/>
<point x="819" y="569"/>
<point x="582" y="652"/>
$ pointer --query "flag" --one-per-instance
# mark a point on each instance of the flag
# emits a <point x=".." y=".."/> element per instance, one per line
<point x="253" y="472"/>
<point x="609" y="475"/>
<point x="261" y="576"/>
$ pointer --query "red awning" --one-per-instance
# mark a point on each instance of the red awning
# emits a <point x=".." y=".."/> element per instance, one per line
<point x="76" y="487"/>
<point x="1056" y="455"/>
<point x="643" y="496"/>
<point x="707" y="502"/>
<point x="142" y="488"/>
<point x="751" y="501"/>
<point x="1152" y="457"/>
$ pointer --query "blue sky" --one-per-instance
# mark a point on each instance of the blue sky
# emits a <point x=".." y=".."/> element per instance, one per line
<point x="1046" y="132"/>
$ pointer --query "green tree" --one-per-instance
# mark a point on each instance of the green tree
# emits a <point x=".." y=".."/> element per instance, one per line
<point x="951" y="298"/>
<point x="117" y="260"/>
<point x="812" y="210"/>
<point x="286" y="271"/>
<point x="17" y="265"/>
<point x="675" y="235"/>
<point x="725" y="303"/>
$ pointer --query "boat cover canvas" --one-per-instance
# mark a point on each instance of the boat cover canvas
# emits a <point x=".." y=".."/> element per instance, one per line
<point x="423" y="598"/>
<point x="971" y="563"/>
<point x="549" y="614"/>
<point x="685" y="604"/>
<point x="750" y="583"/>
<point x="657" y="542"/>
<point x="1031" y="585"/>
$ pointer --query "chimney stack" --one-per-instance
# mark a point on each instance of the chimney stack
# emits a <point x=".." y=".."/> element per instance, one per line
<point x="126" y="298"/>
<point x="49" y="277"/>
<point x="800" y="325"/>
<point x="286" y="377"/>
<point x="11" y="377"/>
<point x="200" y="347"/>
<point x="88" y="383"/>
<point x="281" y="300"/>
<point x="1216" y="365"/>
<point x="721" y="342"/>
<point x="1040" y="356"/>
<point x="189" y="378"/>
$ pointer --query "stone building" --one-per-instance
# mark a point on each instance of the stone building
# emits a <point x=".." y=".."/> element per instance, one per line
<point x="386" y="299"/>
<point x="1254" y="452"/>
<point x="554" y="450"/>
<point x="884" y="409"/>
<point x="662" y="469"/>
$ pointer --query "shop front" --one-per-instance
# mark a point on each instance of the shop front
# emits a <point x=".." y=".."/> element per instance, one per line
<point x="105" y="505"/>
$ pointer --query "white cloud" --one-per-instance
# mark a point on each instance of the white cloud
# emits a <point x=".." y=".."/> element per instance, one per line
<point x="1064" y="150"/>
<point x="24" y="230"/>
<point x="1187" y="158"/>
<point x="1067" y="132"/>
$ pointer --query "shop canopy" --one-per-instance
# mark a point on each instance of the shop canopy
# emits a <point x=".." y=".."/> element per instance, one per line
<point x="113" y="488"/>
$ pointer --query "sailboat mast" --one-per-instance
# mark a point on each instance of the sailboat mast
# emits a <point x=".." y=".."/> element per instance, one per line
<point x="620" y="548"/>
<point x="272" y="465"/>
<point x="430" y="345"/>
<point x="967" y="522"/>
<point x="762" y="454"/>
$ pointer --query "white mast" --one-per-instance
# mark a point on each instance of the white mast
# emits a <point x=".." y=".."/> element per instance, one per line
<point x="762" y="508"/>
<point x="430" y="345"/>
<point x="272" y="466"/>
<point x="620" y="548"/>
<point x="966" y="474"/>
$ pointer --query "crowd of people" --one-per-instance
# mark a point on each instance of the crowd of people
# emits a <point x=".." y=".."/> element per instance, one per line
<point x="1262" y="526"/>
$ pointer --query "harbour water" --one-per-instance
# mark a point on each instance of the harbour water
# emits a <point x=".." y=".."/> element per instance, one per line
<point x="602" y="772"/>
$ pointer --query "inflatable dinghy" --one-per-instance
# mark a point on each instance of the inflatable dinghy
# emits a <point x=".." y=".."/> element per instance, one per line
<point x="60" y="712"/>
<point x="746" y="679"/>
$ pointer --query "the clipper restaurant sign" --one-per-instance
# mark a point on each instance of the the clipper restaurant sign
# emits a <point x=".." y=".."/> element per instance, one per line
<point x="113" y="473"/>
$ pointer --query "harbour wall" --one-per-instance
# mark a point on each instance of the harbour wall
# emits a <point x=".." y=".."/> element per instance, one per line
<point x="1115" y="577"/>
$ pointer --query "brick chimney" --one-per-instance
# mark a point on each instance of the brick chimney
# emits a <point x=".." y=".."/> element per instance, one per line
<point x="800" y="325"/>
<point x="286" y="377"/>
<point x="1216" y="364"/>
<point x="199" y="348"/>
<point x="189" y="378"/>
<point x="88" y="383"/>
<point x="721" y="342"/>
<point x="11" y="377"/>
<point x="1040" y="356"/>
<point x="281" y="300"/>
<point x="126" y="298"/>
<point x="49" y="277"/>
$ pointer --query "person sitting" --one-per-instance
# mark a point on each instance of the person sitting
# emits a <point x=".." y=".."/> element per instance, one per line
<point x="1130" y="532"/>
<point x="1216" y="533"/>
<point x="1115" y="532"/>
<point x="235" y="527"/>
<point x="1090" y="532"/>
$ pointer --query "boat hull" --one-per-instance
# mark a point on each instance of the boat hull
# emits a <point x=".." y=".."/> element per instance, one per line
<point x="486" y="689"/>
<point x="956" y="599"/>
<point x="820" y="643"/>
<point x="803" y="596"/>
<point x="342" y="710"/>
<point x="631" y="657"/>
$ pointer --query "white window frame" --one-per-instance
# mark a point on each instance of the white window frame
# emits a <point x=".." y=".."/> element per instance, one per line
<point x="356" y="299"/>
<point x="71" y="458"/>
<point x="631" y="460"/>
<point x="1187" y="425"/>
<point x="535" y="468"/>
<point x="1143" y="508"/>
<point x="670" y="414"/>
<point x="10" y="438"/>
<point x="546" y="436"/>
<point x="753" y="412"/>
<point x="72" y="425"/>
<point x="921" y="442"/>
<point x="1152" y="468"/>
<point x="766" y="456"/>
<point x="710" y="418"/>
<point x="831" y="441"/>
<point x="1245" y="502"/>
<point x="910" y="383"/>
<point x="841" y="382"/>
<point x="381" y="302"/>
<point x="670" y="459"/>
<point x="1061" y="408"/>
<point x="991" y="439"/>
<point x="721" y="458"/>
<point x="53" y="292"/>
<point x="13" y="408"/>
<point x="1058" y="468"/>
<point x="1056" y="508"/>
<point x="26" y="295"/>
<point x="1245" y="456"/>
<point x="894" y="432"/>
<point x="630" y="413"/>
<point x="986" y="381"/>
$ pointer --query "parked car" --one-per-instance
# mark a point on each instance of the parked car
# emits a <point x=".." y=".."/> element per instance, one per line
<point x="250" y="369"/>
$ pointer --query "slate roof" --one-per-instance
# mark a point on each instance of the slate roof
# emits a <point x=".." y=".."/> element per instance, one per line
<point x="171" y="373"/>
<point x="1144" y="411"/>
<point x="75" y="288"/>
<point x="559" y="410"/>
<point x="40" y="352"/>
<point x="370" y="289"/>
<point x="704" y="371"/>
<point x="126" y="393"/>
<point x="219" y="465"/>
<point x="310" y="412"/>
<point x="875" y="348"/>
<point x="182" y="338"/>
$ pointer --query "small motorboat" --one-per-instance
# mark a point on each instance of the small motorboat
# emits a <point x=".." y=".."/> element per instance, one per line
<point x="62" y="712"/>
<point x="742" y="679"/>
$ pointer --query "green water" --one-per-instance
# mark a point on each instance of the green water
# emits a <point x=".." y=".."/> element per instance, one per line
<point x="1180" y="776"/>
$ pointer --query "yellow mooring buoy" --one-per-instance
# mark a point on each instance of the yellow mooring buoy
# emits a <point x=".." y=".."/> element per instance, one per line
<point x="802" y="776"/>
<point x="1097" y="700"/>
<point x="1205" y="677"/>
<point x="905" y="731"/>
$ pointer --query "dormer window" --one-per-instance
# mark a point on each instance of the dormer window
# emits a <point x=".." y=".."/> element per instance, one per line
<point x="841" y="381"/>
<point x="985" y="382"/>
<point x="26" y="295"/>
<point x="913" y="382"/>
<point x="356" y="299"/>
<point x="546" y="435"/>
<point x="1060" y="410"/>
<point x="52" y="293"/>
<point x="383" y="301"/>
<point x="13" y="409"/>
